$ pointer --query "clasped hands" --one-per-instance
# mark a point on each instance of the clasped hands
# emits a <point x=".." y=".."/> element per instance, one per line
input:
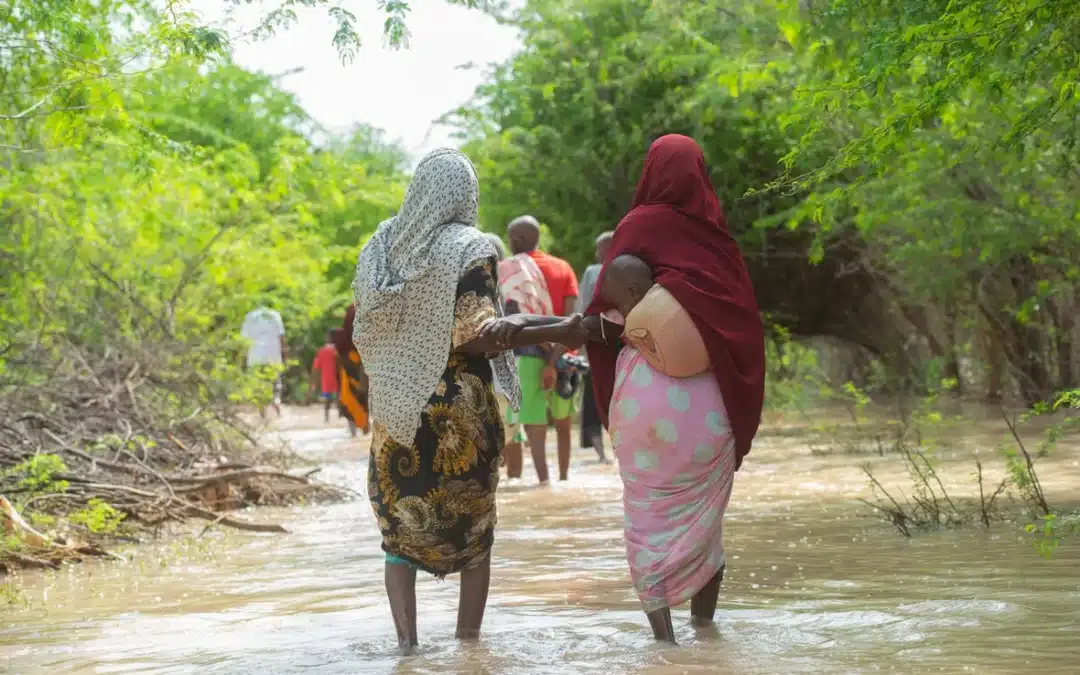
<point x="569" y="332"/>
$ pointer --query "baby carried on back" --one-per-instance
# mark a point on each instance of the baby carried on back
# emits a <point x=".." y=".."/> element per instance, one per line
<point x="654" y="322"/>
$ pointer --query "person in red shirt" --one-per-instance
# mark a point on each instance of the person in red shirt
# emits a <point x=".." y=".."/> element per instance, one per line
<point x="524" y="235"/>
<point x="537" y="370"/>
<point x="324" y="373"/>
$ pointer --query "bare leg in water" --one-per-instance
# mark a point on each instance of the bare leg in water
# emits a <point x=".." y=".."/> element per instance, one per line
<point x="703" y="604"/>
<point x="660" y="621"/>
<point x="562" y="433"/>
<point x="512" y="456"/>
<point x="597" y="440"/>
<point x="537" y="434"/>
<point x="702" y="610"/>
<point x="473" y="600"/>
<point x="401" y="590"/>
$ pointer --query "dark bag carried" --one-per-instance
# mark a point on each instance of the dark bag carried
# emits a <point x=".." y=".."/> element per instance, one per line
<point x="570" y="369"/>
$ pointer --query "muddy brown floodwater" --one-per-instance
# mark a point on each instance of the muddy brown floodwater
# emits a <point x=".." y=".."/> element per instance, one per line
<point x="814" y="585"/>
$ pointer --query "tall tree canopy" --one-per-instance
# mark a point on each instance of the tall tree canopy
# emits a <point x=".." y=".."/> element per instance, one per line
<point x="899" y="173"/>
<point x="154" y="192"/>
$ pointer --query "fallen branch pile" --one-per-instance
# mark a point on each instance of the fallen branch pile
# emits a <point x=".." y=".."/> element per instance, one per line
<point x="154" y="445"/>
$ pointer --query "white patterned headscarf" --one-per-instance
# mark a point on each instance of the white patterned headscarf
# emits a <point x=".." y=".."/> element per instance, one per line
<point x="405" y="290"/>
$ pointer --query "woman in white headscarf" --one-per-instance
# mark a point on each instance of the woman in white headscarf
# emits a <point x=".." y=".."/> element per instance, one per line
<point x="426" y="300"/>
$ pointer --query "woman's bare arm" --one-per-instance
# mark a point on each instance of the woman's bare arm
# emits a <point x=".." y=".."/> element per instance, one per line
<point x="503" y="329"/>
<point x="594" y="329"/>
<point x="568" y="331"/>
<point x="533" y="320"/>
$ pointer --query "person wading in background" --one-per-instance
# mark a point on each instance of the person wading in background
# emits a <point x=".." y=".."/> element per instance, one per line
<point x="514" y="434"/>
<point x="537" y="371"/>
<point x="267" y="353"/>
<point x="324" y="374"/>
<point x="524" y="291"/>
<point x="353" y="392"/>
<point x="592" y="430"/>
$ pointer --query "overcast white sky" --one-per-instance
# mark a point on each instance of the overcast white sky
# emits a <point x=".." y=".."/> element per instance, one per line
<point x="400" y="91"/>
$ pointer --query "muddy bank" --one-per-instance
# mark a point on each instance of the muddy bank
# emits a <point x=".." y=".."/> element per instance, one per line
<point x="69" y="491"/>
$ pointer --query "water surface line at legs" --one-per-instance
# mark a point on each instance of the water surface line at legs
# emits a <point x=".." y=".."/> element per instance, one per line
<point x="512" y="458"/>
<point x="597" y="440"/>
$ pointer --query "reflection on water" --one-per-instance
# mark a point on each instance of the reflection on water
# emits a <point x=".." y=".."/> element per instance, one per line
<point x="813" y="585"/>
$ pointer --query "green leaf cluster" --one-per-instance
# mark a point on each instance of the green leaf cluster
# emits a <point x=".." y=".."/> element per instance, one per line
<point x="901" y="174"/>
<point x="153" y="195"/>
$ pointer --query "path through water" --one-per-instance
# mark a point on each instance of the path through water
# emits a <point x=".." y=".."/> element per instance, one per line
<point x="814" y="585"/>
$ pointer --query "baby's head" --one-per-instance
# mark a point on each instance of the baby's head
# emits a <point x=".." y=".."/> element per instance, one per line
<point x="626" y="281"/>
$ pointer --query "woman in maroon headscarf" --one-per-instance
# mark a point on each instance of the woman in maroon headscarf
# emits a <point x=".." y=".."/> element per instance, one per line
<point x="675" y="495"/>
<point x="677" y="228"/>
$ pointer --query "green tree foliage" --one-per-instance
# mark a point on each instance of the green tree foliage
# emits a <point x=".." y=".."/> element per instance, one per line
<point x="900" y="174"/>
<point x="150" y="197"/>
<point x="923" y="65"/>
<point x="951" y="131"/>
<point x="282" y="14"/>
<point x="561" y="130"/>
<point x="227" y="107"/>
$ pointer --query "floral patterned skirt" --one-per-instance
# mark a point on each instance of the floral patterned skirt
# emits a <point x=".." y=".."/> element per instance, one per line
<point x="435" y="499"/>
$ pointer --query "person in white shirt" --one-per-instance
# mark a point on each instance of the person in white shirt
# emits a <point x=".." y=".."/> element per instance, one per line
<point x="265" y="330"/>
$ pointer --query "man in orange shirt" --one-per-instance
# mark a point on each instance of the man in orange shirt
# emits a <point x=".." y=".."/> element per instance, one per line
<point x="537" y="370"/>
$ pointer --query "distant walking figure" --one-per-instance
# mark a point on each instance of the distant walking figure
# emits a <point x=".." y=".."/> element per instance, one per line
<point x="324" y="377"/>
<point x="537" y="367"/>
<point x="267" y="353"/>
<point x="515" y="436"/>
<point x="353" y="381"/>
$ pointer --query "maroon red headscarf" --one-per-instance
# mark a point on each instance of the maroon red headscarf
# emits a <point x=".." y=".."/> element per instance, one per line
<point x="676" y="226"/>
<point x="343" y="336"/>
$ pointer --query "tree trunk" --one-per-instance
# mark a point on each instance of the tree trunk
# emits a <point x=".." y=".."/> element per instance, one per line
<point x="995" y="365"/>
<point x="1064" y="316"/>
<point x="952" y="363"/>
